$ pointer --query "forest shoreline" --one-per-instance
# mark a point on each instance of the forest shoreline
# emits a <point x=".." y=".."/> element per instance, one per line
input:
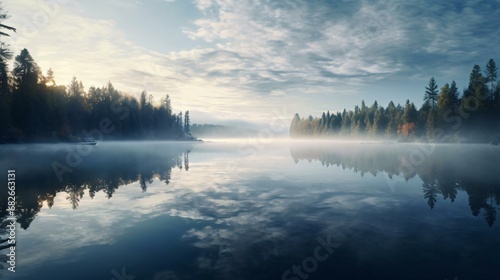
<point x="86" y="141"/>
<point x="447" y="115"/>
<point x="394" y="141"/>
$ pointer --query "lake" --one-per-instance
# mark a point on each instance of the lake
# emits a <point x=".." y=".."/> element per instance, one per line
<point x="249" y="210"/>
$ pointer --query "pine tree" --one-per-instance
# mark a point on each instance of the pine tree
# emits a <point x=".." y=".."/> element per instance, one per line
<point x="322" y="124"/>
<point x="187" y="122"/>
<point x="454" y="95"/>
<point x="431" y="93"/>
<point x="329" y="123"/>
<point x="180" y="122"/>
<point x="26" y="102"/>
<point x="370" y="118"/>
<point x="423" y="113"/>
<point x="76" y="106"/>
<point x="168" y="105"/>
<point x="75" y="89"/>
<point x="337" y="123"/>
<point x="26" y="72"/>
<point x="445" y="102"/>
<point x="294" y="126"/>
<point x="430" y="126"/>
<point x="5" y="56"/>
<point x="413" y="113"/>
<point x="355" y="129"/>
<point x="379" y="122"/>
<point x="346" y="123"/>
<point x="491" y="76"/>
<point x="147" y="114"/>
<point x="392" y="125"/>
<point x="477" y="88"/>
<point x="409" y="116"/>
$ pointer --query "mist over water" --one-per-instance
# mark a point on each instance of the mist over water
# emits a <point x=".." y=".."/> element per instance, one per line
<point x="253" y="209"/>
<point x="292" y="140"/>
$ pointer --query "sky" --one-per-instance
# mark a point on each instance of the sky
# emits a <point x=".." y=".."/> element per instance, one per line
<point x="255" y="61"/>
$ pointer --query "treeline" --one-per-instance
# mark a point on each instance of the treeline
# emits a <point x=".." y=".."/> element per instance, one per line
<point x="34" y="108"/>
<point x="445" y="116"/>
<point x="214" y="130"/>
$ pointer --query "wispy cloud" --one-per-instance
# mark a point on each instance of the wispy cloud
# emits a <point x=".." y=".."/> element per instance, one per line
<point x="243" y="52"/>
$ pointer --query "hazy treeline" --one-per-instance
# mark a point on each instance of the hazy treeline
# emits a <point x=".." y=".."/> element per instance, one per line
<point x="213" y="130"/>
<point x="445" y="116"/>
<point x="34" y="108"/>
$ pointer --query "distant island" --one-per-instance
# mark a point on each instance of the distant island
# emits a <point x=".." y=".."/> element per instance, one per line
<point x="445" y="116"/>
<point x="34" y="109"/>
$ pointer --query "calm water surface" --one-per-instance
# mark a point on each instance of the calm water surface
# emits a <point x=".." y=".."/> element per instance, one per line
<point x="157" y="211"/>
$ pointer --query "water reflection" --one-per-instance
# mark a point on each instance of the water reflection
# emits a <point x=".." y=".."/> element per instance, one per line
<point x="104" y="170"/>
<point x="258" y="220"/>
<point x="443" y="169"/>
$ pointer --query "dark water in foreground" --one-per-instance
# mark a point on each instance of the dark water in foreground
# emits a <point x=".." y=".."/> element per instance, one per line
<point x="157" y="211"/>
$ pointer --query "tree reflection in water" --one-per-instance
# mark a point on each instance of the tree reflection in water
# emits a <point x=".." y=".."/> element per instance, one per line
<point x="104" y="172"/>
<point x="443" y="169"/>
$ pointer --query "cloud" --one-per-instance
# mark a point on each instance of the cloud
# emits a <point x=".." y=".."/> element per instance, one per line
<point x="349" y="42"/>
<point x="243" y="52"/>
<point x="296" y="44"/>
